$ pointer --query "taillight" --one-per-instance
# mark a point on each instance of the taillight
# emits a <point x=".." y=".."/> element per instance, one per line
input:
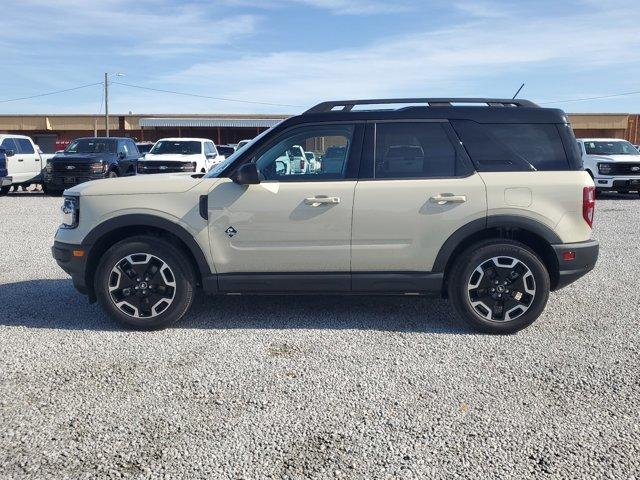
<point x="588" y="204"/>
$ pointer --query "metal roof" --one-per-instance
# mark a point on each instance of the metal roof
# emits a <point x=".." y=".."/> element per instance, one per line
<point x="210" y="122"/>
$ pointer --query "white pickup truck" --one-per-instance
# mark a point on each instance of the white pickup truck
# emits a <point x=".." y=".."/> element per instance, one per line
<point x="24" y="164"/>
<point x="614" y="164"/>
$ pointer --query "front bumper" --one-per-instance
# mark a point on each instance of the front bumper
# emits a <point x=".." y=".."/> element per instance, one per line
<point x="6" y="181"/>
<point x="585" y="257"/>
<point x="67" y="181"/>
<point x="73" y="264"/>
<point x="622" y="183"/>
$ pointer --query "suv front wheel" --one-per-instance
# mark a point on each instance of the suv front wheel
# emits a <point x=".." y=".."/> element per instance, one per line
<point x="499" y="286"/>
<point x="145" y="282"/>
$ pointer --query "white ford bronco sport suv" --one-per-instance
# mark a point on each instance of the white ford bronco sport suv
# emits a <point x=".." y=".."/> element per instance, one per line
<point x="487" y="205"/>
<point x="614" y="164"/>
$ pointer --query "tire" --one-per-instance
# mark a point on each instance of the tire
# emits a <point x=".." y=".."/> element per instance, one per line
<point x="525" y="294"/>
<point x="112" y="174"/>
<point x="52" y="192"/>
<point x="152" y="302"/>
<point x="4" y="190"/>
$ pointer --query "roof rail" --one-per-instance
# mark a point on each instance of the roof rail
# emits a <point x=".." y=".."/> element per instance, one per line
<point x="347" y="105"/>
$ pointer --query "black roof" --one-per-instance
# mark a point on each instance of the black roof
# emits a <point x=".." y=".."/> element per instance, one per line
<point x="481" y="110"/>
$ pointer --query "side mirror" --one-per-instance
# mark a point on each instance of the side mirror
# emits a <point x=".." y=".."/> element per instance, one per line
<point x="247" y="174"/>
<point x="9" y="153"/>
<point x="212" y="155"/>
<point x="122" y="155"/>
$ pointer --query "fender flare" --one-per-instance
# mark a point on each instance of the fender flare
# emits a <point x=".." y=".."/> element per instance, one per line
<point x="148" y="220"/>
<point x="493" y="221"/>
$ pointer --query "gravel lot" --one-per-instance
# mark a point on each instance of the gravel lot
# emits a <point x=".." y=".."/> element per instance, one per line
<point x="316" y="387"/>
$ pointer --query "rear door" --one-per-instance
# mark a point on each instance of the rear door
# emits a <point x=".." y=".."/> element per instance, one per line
<point x="417" y="187"/>
<point x="30" y="156"/>
<point x="296" y="224"/>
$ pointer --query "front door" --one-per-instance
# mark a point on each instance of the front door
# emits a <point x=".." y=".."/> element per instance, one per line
<point x="418" y="187"/>
<point x="296" y="221"/>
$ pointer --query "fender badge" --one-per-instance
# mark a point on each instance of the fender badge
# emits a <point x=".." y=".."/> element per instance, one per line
<point x="231" y="232"/>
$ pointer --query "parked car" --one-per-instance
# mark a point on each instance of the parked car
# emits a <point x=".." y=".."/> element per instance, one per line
<point x="5" y="179"/>
<point x="226" y="150"/>
<point x="613" y="164"/>
<point x="170" y="155"/>
<point x="23" y="162"/>
<point x="241" y="144"/>
<point x="144" y="147"/>
<point x="90" y="158"/>
<point x="492" y="211"/>
<point x="312" y="160"/>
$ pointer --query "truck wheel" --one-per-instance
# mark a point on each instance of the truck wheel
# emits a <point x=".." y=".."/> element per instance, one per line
<point x="4" y="190"/>
<point x="499" y="286"/>
<point x="112" y="174"/>
<point x="145" y="282"/>
<point x="51" y="191"/>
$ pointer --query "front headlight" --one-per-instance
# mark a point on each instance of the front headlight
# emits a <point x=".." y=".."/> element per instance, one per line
<point x="98" y="167"/>
<point x="70" y="212"/>
<point x="605" y="168"/>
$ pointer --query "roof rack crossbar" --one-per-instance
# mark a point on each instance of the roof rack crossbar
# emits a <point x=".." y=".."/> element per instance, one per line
<point x="347" y="105"/>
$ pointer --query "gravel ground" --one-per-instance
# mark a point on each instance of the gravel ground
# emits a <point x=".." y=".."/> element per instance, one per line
<point x="316" y="387"/>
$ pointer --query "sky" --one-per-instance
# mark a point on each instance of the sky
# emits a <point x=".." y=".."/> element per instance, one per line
<point x="286" y="55"/>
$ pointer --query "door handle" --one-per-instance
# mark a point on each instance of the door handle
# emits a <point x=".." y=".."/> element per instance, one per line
<point x="21" y="159"/>
<point x="321" y="200"/>
<point x="445" y="198"/>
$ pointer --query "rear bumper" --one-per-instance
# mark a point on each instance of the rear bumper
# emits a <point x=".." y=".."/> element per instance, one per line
<point x="586" y="256"/>
<point x="5" y="181"/>
<point x="73" y="265"/>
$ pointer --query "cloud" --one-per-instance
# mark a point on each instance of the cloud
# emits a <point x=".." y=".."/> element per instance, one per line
<point x="442" y="62"/>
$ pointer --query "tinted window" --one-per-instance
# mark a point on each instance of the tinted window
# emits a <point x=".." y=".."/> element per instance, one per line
<point x="287" y="160"/>
<point x="132" y="147"/>
<point x="609" y="148"/>
<point x="92" y="145"/>
<point x="123" y="147"/>
<point x="9" y="144"/>
<point x="512" y="147"/>
<point x="25" y="145"/>
<point x="415" y="150"/>
<point x="177" y="147"/>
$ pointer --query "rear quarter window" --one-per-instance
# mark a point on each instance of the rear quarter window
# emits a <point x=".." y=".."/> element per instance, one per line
<point x="515" y="147"/>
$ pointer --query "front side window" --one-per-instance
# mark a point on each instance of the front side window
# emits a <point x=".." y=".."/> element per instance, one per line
<point x="287" y="160"/>
<point x="610" y="148"/>
<point x="25" y="145"/>
<point x="180" y="147"/>
<point x="92" y="145"/>
<point x="9" y="144"/>
<point x="122" y="148"/>
<point x="415" y="150"/>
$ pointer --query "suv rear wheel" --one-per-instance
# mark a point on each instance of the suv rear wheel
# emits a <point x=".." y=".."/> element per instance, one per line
<point x="145" y="282"/>
<point x="499" y="286"/>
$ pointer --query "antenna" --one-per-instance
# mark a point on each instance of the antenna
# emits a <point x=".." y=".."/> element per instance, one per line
<point x="516" y="94"/>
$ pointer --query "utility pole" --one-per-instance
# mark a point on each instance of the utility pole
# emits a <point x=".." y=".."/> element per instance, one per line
<point x="106" y="104"/>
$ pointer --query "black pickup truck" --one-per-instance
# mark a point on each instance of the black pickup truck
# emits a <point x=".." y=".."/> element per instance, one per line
<point x="90" y="159"/>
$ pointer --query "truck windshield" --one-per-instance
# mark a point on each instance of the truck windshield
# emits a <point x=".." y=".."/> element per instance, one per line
<point x="610" y="148"/>
<point x="92" y="145"/>
<point x="177" y="147"/>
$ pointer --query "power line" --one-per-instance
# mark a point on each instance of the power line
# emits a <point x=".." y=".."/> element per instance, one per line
<point x="206" y="96"/>
<point x="50" y="93"/>
<point x="591" y="98"/>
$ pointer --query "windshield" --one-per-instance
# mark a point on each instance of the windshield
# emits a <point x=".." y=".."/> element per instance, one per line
<point x="610" y="148"/>
<point x="92" y="145"/>
<point x="180" y="147"/>
<point x="215" y="171"/>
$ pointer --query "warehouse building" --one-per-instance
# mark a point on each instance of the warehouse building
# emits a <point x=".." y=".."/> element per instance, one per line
<point x="53" y="132"/>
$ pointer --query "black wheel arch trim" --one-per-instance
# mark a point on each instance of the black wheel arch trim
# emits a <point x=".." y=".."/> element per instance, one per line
<point x="492" y="221"/>
<point x="148" y="220"/>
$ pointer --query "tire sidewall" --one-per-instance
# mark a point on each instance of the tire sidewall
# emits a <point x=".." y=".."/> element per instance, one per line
<point x="471" y="259"/>
<point x="166" y="252"/>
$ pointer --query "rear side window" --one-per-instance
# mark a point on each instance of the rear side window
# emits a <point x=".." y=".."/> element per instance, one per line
<point x="416" y="150"/>
<point x="513" y="147"/>
<point x="25" y="145"/>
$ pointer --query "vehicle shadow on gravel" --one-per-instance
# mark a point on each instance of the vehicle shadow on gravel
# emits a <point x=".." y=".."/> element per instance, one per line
<point x="55" y="304"/>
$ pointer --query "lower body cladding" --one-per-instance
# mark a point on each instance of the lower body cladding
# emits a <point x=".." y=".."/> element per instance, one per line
<point x="574" y="261"/>
<point x="618" y="184"/>
<point x="5" y="181"/>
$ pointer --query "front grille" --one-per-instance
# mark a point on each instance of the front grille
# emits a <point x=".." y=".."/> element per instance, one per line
<point x="71" y="168"/>
<point x="625" y="169"/>
<point x="158" y="166"/>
